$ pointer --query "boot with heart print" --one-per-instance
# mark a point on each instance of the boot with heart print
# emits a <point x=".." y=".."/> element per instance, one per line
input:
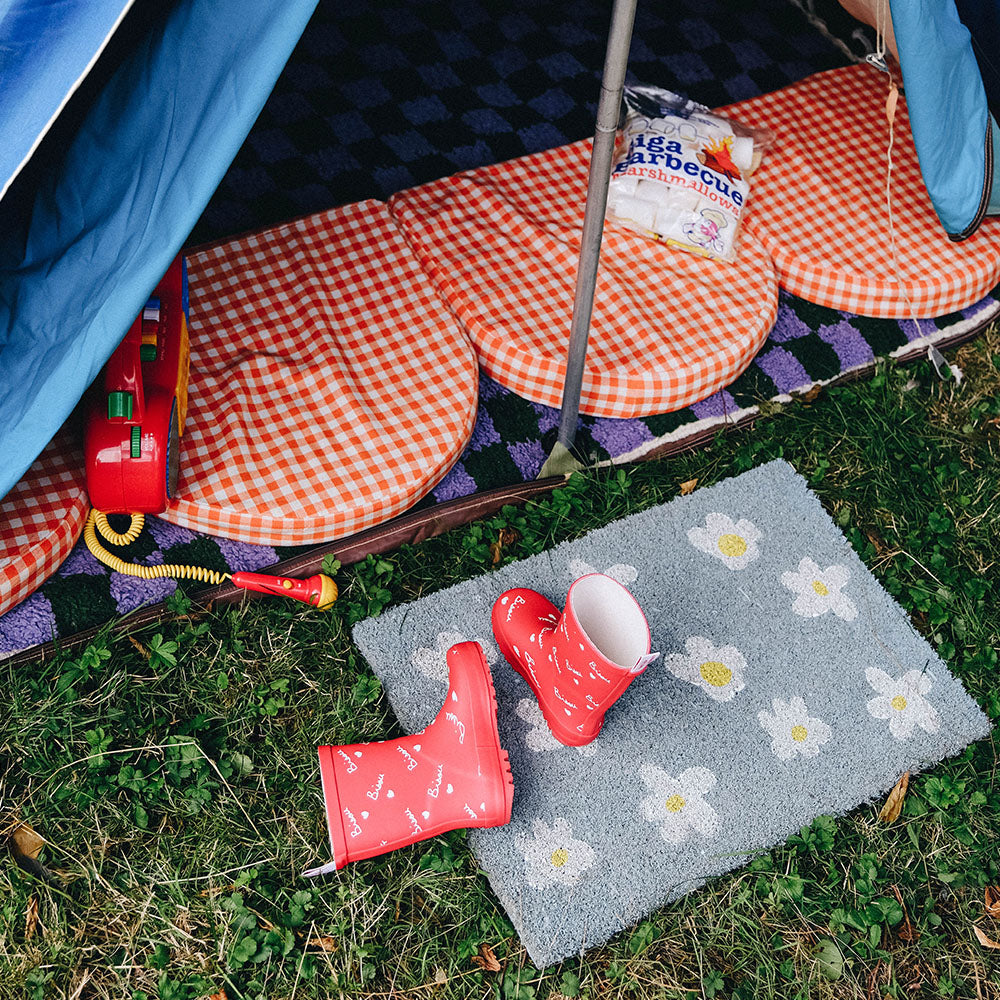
<point x="453" y="774"/>
<point x="579" y="662"/>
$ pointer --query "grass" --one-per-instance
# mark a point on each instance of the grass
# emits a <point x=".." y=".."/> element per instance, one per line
<point x="173" y="773"/>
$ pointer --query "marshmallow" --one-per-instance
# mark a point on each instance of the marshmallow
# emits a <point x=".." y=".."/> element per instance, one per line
<point x="742" y="153"/>
<point x="636" y="211"/>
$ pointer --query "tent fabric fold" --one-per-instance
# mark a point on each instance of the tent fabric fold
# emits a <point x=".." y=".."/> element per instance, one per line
<point x="949" y="110"/>
<point x="103" y="222"/>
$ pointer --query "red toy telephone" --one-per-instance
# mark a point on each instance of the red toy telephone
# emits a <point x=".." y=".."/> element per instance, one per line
<point x="132" y="443"/>
<point x="134" y="427"/>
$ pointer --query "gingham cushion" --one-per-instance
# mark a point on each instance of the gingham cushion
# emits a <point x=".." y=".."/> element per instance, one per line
<point x="502" y="245"/>
<point x="818" y="204"/>
<point x="41" y="519"/>
<point x="330" y="388"/>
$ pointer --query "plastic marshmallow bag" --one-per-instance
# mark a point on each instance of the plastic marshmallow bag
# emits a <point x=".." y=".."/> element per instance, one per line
<point x="681" y="172"/>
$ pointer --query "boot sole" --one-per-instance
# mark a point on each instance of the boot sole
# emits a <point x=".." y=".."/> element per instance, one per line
<point x="502" y="758"/>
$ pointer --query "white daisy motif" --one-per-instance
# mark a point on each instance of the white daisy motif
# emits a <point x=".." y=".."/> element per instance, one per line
<point x="539" y="737"/>
<point x="794" y="732"/>
<point x="819" y="590"/>
<point x="554" y="856"/>
<point x="732" y="542"/>
<point x="622" y="572"/>
<point x="433" y="662"/>
<point x="902" y="702"/>
<point x="677" y="805"/>
<point x="717" y="670"/>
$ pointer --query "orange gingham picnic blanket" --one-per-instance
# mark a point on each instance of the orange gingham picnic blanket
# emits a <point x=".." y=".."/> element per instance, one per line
<point x="502" y="243"/>
<point x="41" y="519"/>
<point x="818" y="204"/>
<point x="330" y="388"/>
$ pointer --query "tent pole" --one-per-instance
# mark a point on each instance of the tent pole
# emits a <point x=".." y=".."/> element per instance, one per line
<point x="608" y="111"/>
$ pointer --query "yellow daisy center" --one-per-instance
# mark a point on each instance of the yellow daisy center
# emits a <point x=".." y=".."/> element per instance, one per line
<point x="559" y="857"/>
<point x="799" y="733"/>
<point x="821" y="588"/>
<point x="732" y="545"/>
<point x="675" y="803"/>
<point x="898" y="703"/>
<point x="715" y="673"/>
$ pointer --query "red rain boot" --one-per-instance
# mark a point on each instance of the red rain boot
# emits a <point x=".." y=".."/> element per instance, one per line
<point x="451" y="775"/>
<point x="579" y="663"/>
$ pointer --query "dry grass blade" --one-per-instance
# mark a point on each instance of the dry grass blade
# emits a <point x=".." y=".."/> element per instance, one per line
<point x="905" y="931"/>
<point x="991" y="901"/>
<point x="143" y="651"/>
<point x="31" y="918"/>
<point x="486" y="959"/>
<point x="688" y="487"/>
<point x="985" y="940"/>
<point x="894" y="803"/>
<point x="79" y="986"/>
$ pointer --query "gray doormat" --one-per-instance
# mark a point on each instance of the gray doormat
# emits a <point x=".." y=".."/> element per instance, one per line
<point x="791" y="685"/>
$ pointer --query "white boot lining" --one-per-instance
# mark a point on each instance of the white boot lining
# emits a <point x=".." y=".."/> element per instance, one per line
<point x="611" y="618"/>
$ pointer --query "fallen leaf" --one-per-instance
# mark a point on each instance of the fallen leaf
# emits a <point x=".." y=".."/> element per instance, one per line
<point x="221" y="995"/>
<point x="25" y="846"/>
<point x="323" y="943"/>
<point x="440" y="976"/>
<point x="27" y="843"/>
<point x="486" y="959"/>
<point x="31" y="918"/>
<point x="984" y="940"/>
<point x="828" y="958"/>
<point x="506" y="537"/>
<point x="688" y="487"/>
<point x="809" y="395"/>
<point x="991" y="901"/>
<point x="876" y="541"/>
<point x="894" y="803"/>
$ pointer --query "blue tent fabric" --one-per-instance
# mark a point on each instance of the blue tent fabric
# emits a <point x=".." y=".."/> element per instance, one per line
<point x="46" y="49"/>
<point x="102" y="223"/>
<point x="948" y="108"/>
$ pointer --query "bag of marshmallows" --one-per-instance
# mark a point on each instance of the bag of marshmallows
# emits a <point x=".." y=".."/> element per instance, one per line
<point x="681" y="172"/>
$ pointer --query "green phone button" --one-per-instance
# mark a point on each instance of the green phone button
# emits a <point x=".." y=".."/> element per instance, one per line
<point x="136" y="441"/>
<point x="119" y="405"/>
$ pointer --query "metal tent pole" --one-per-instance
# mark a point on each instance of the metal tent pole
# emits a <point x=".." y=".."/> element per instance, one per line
<point x="608" y="111"/>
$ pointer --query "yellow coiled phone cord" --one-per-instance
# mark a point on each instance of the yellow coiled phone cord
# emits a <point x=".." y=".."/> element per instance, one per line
<point x="98" y="522"/>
